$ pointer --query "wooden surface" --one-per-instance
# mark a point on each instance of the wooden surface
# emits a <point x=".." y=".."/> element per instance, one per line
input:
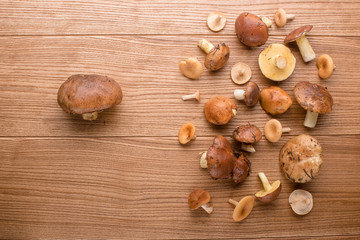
<point x="125" y="175"/>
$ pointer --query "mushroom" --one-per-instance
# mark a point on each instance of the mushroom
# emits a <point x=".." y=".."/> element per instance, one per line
<point x="219" y="110"/>
<point x="300" y="158"/>
<point x="200" y="198"/>
<point x="313" y="98"/>
<point x="298" y="35"/>
<point x="195" y="95"/>
<point x="242" y="208"/>
<point x="325" y="65"/>
<point x="191" y="68"/>
<point x="274" y="100"/>
<point x="217" y="56"/>
<point x="216" y="21"/>
<point x="241" y="73"/>
<point x="250" y="95"/>
<point x="267" y="21"/>
<point x="273" y="130"/>
<point x="281" y="17"/>
<point x="223" y="163"/>
<point x="301" y="201"/>
<point x="203" y="161"/>
<point x="270" y="191"/>
<point x="86" y="95"/>
<point x="277" y="62"/>
<point x="251" y="30"/>
<point x="247" y="135"/>
<point x="186" y="133"/>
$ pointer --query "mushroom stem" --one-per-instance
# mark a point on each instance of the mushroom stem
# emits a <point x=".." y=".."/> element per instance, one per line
<point x="267" y="21"/>
<point x="203" y="161"/>
<point x="218" y="18"/>
<point x="90" y="116"/>
<point x="234" y="111"/>
<point x="195" y="95"/>
<point x="290" y="16"/>
<point x="265" y="181"/>
<point x="241" y="72"/>
<point x="247" y="147"/>
<point x="233" y="202"/>
<point x="286" y="130"/>
<point x="239" y="94"/>
<point x="205" y="45"/>
<point x="279" y="61"/>
<point x="208" y="208"/>
<point x="310" y="119"/>
<point x="306" y="51"/>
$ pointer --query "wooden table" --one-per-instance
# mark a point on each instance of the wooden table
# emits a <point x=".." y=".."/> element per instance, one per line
<point x="125" y="175"/>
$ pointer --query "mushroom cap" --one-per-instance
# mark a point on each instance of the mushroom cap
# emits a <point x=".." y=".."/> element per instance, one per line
<point x="275" y="100"/>
<point x="81" y="94"/>
<point x="251" y="30"/>
<point x="219" y="110"/>
<point x="238" y="77"/>
<point x="214" y="23"/>
<point x="300" y="158"/>
<point x="273" y="130"/>
<point x="313" y="97"/>
<point x="243" y="208"/>
<point x="217" y="57"/>
<point x="301" y="201"/>
<point x="271" y="195"/>
<point x="191" y="68"/>
<point x="325" y="65"/>
<point x="297" y="33"/>
<point x="252" y="94"/>
<point x="186" y="133"/>
<point x="197" y="198"/>
<point x="280" y="17"/>
<point x="270" y="69"/>
<point x="247" y="134"/>
<point x="241" y="169"/>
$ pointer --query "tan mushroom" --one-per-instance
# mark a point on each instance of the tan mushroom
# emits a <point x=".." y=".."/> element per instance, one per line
<point x="250" y="95"/>
<point x="217" y="56"/>
<point x="301" y="201"/>
<point x="281" y="17"/>
<point x="216" y="21"/>
<point x="251" y="30"/>
<point x="270" y="191"/>
<point x="325" y="65"/>
<point x="219" y="110"/>
<point x="275" y="100"/>
<point x="242" y="208"/>
<point x="273" y="130"/>
<point x="195" y="95"/>
<point x="200" y="198"/>
<point x="191" y="68"/>
<point x="186" y="133"/>
<point x="305" y="48"/>
<point x="247" y="135"/>
<point x="241" y="73"/>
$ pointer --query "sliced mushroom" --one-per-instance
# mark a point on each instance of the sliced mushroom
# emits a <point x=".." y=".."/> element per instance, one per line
<point x="186" y="133"/>
<point x="270" y="191"/>
<point x="219" y="110"/>
<point x="325" y="65"/>
<point x="301" y="201"/>
<point x="281" y="17"/>
<point x="273" y="130"/>
<point x="191" y="68"/>
<point x="247" y="135"/>
<point x="195" y="95"/>
<point x="275" y="100"/>
<point x="305" y="48"/>
<point x="251" y="30"/>
<point x="242" y="208"/>
<point x="200" y="198"/>
<point x="240" y="73"/>
<point x="250" y="95"/>
<point x="216" y="21"/>
<point x="217" y="56"/>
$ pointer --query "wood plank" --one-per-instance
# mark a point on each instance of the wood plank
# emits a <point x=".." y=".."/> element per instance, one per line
<point x="21" y="17"/>
<point x="33" y="68"/>
<point x="131" y="187"/>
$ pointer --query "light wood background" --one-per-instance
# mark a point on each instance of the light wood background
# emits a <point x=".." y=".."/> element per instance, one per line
<point x="125" y="175"/>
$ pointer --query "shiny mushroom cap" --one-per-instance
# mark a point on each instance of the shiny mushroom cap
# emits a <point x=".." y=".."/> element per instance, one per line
<point x="297" y="33"/>
<point x="300" y="158"/>
<point x="216" y="21"/>
<point x="313" y="97"/>
<point x="301" y="201"/>
<point x="191" y="68"/>
<point x="219" y="110"/>
<point x="252" y="94"/>
<point x="197" y="198"/>
<point x="247" y="134"/>
<point x="241" y="73"/>
<point x="217" y="57"/>
<point x="186" y="133"/>
<point x="275" y="100"/>
<point x="251" y="30"/>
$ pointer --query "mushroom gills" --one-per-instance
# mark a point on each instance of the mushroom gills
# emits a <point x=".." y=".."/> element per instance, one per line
<point x="310" y="119"/>
<point x="305" y="48"/>
<point x="90" y="116"/>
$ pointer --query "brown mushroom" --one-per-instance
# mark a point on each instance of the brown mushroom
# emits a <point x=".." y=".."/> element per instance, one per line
<point x="273" y="130"/>
<point x="195" y="95"/>
<point x="305" y="48"/>
<point x="216" y="21"/>
<point x="200" y="198"/>
<point x="86" y="95"/>
<point x="219" y="110"/>
<point x="250" y="95"/>
<point x="325" y="65"/>
<point x="217" y="56"/>
<point x="281" y="17"/>
<point x="241" y="73"/>
<point x="251" y="30"/>
<point x="274" y="100"/>
<point x="247" y="135"/>
<point x="223" y="163"/>
<point x="313" y="98"/>
<point x="242" y="208"/>
<point x="191" y="68"/>
<point x="301" y="201"/>
<point x="270" y="191"/>
<point x="186" y="133"/>
<point x="300" y="158"/>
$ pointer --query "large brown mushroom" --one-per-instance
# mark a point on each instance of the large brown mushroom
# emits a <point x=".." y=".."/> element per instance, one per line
<point x="275" y="100"/>
<point x="217" y="56"/>
<point x="219" y="110"/>
<point x="305" y="48"/>
<point x="87" y="95"/>
<point x="251" y="30"/>
<point x="200" y="198"/>
<point x="247" y="135"/>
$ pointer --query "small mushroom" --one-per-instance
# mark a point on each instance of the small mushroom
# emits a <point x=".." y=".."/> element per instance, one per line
<point x="247" y="135"/>
<point x="219" y="110"/>
<point x="195" y="95"/>
<point x="242" y="208"/>
<point x="273" y="130"/>
<point x="274" y="100"/>
<point x="277" y="62"/>
<point x="223" y="163"/>
<point x="241" y="73"/>
<point x="191" y="68"/>
<point x="281" y="17"/>
<point x="250" y="95"/>
<point x="325" y="65"/>
<point x="298" y="35"/>
<point x="186" y="133"/>
<point x="87" y="95"/>
<point x="313" y="98"/>
<point x="270" y="191"/>
<point x="216" y="21"/>
<point x="301" y="201"/>
<point x="217" y="56"/>
<point x="251" y="30"/>
<point x="267" y="21"/>
<point x="300" y="159"/>
<point x="200" y="198"/>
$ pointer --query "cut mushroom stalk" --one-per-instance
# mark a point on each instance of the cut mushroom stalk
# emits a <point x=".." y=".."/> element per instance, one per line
<point x="279" y="61"/>
<point x="208" y="208"/>
<point x="264" y="181"/>
<point x="239" y="94"/>
<point x="267" y="21"/>
<point x="205" y="45"/>
<point x="310" y="119"/>
<point x="305" y="48"/>
<point x="90" y="116"/>
<point x="248" y="147"/>
<point x="195" y="95"/>
<point x="203" y="161"/>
